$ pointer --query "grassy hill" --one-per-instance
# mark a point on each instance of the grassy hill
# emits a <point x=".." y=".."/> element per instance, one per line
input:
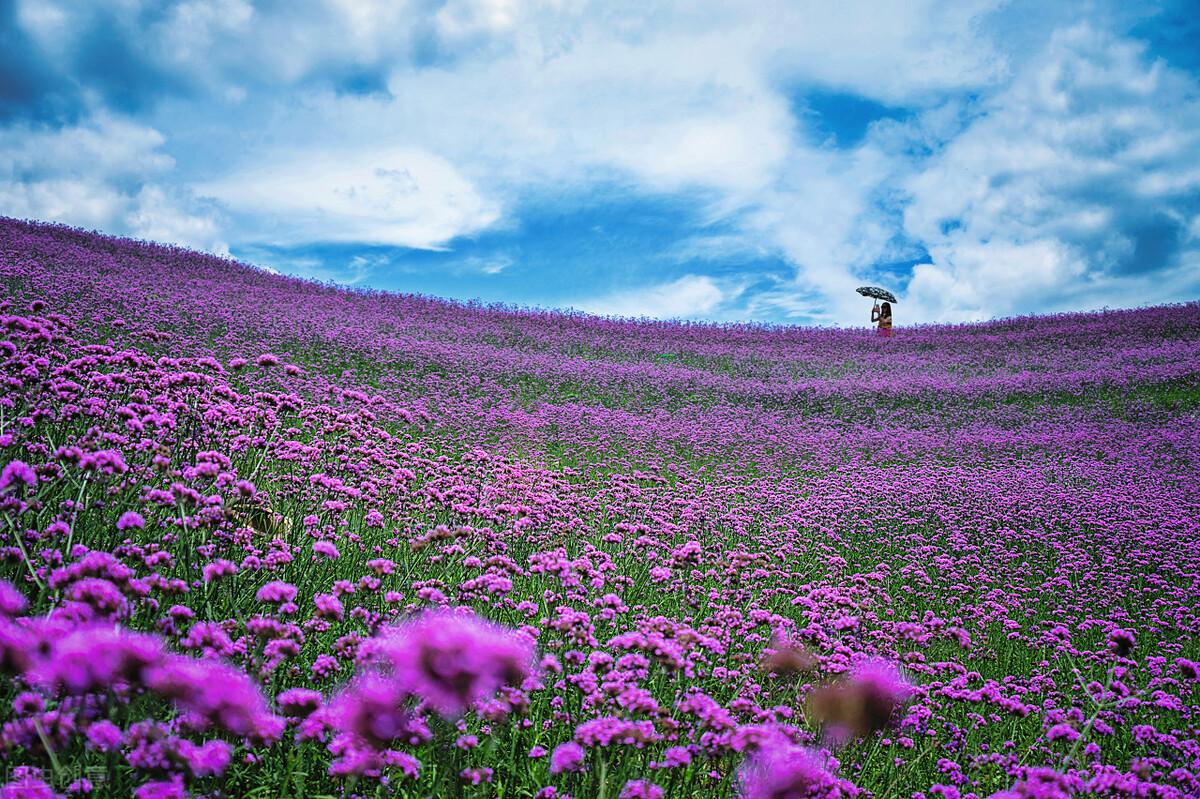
<point x="717" y="559"/>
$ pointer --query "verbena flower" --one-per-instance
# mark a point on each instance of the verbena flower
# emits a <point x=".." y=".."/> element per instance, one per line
<point x="863" y="702"/>
<point x="299" y="702"/>
<point x="782" y="770"/>
<point x="27" y="783"/>
<point x="276" y="592"/>
<point x="131" y="520"/>
<point x="1041" y="783"/>
<point x="215" y="694"/>
<point x="642" y="789"/>
<point x="566" y="757"/>
<point x="92" y="659"/>
<point x="376" y="710"/>
<point x="15" y="475"/>
<point x="452" y="660"/>
<point x="12" y="601"/>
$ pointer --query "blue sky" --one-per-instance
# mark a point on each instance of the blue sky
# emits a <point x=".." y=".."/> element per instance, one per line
<point x="706" y="159"/>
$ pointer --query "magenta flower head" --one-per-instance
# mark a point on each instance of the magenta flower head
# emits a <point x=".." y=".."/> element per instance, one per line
<point x="373" y="710"/>
<point x="326" y="548"/>
<point x="298" y="703"/>
<point x="15" y="475"/>
<point x="780" y="769"/>
<point x="215" y="694"/>
<point x="93" y="658"/>
<point x="1062" y="732"/>
<point x="162" y="789"/>
<point x="277" y="592"/>
<point x="864" y="702"/>
<point x="1121" y="642"/>
<point x="12" y="601"/>
<point x="16" y="648"/>
<point x="1041" y="783"/>
<point x="210" y="759"/>
<point x="131" y="520"/>
<point x="219" y="568"/>
<point x="27" y="784"/>
<point x="104" y="736"/>
<point x="328" y="606"/>
<point x="566" y="757"/>
<point x="642" y="789"/>
<point x="103" y="598"/>
<point x="453" y="660"/>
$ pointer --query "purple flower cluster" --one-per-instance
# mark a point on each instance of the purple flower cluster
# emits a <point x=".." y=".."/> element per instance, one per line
<point x="779" y="769"/>
<point x="452" y="661"/>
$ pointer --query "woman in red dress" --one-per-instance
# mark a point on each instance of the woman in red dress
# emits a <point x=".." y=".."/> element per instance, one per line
<point x="883" y="315"/>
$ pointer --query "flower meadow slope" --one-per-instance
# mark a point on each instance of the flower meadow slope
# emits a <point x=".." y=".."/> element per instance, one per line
<point x="265" y="537"/>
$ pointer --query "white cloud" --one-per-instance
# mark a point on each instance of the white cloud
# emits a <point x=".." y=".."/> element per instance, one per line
<point x="107" y="173"/>
<point x="492" y="265"/>
<point x="156" y="214"/>
<point x="822" y="216"/>
<point x="192" y="29"/>
<point x="689" y="296"/>
<point x="490" y="100"/>
<point x="892" y="50"/>
<point x="1076" y="180"/>
<point x="897" y="53"/>
<point x="547" y="94"/>
<point x="401" y="196"/>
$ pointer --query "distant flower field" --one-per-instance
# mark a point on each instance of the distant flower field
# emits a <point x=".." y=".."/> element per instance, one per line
<point x="264" y="537"/>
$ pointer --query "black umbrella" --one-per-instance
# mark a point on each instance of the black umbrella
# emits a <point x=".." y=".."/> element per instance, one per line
<point x="877" y="293"/>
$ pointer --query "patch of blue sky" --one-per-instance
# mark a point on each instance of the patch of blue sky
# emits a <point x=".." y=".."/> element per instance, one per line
<point x="30" y="87"/>
<point x="897" y="273"/>
<point x="840" y="118"/>
<point x="1173" y="34"/>
<point x="557" y="250"/>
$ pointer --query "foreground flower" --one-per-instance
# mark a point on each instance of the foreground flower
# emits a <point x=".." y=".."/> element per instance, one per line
<point x="27" y="783"/>
<point x="863" y="703"/>
<point x="92" y="659"/>
<point x="12" y="601"/>
<point x="15" y="475"/>
<point x="214" y="694"/>
<point x="1040" y="783"/>
<point x="566" y="757"/>
<point x="373" y="709"/>
<point x="452" y="660"/>
<point x="787" y="659"/>
<point x="780" y="769"/>
<point x="1121" y="642"/>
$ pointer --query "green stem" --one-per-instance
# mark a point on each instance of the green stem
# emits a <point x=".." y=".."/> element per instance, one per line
<point x="75" y="515"/>
<point x="603" y="778"/>
<point x="25" y="556"/>
<point x="54" y="764"/>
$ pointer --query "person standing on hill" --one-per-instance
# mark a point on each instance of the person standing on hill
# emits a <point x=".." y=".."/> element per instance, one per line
<point x="883" y="315"/>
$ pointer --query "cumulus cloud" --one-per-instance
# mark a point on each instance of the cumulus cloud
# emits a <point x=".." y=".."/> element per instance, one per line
<point x="401" y="196"/>
<point x="690" y="296"/>
<point x="1079" y="177"/>
<point x="108" y="173"/>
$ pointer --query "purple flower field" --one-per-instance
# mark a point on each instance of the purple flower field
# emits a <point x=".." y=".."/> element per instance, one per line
<point x="265" y="537"/>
